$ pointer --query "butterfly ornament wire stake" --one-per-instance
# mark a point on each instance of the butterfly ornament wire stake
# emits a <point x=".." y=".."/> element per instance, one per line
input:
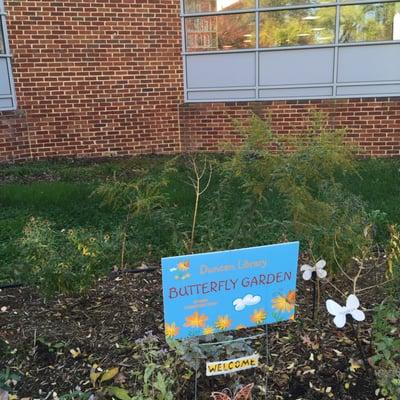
<point x="351" y="309"/>
<point x="314" y="273"/>
<point x="243" y="393"/>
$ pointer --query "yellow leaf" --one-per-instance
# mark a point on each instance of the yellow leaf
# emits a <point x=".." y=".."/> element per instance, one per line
<point x="109" y="374"/>
<point x="290" y="366"/>
<point x="75" y="352"/>
<point x="354" y="365"/>
<point x="94" y="375"/>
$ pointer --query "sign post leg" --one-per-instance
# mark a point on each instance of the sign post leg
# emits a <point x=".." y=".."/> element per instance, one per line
<point x="267" y="361"/>
<point x="195" y="383"/>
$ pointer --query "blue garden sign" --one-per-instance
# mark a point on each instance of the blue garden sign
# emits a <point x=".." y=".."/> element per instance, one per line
<point x="229" y="290"/>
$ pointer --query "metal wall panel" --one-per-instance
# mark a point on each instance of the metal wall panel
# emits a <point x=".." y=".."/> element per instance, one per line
<point x="275" y="93"/>
<point x="211" y="95"/>
<point x="6" y="104"/>
<point x="369" y="63"/>
<point x="221" y="70"/>
<point x="381" y="90"/>
<point x="5" y="87"/>
<point x="6" y="78"/>
<point x="291" y="67"/>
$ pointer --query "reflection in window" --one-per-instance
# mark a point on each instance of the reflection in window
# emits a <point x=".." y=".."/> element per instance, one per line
<point x="222" y="32"/>
<point x="302" y="27"/>
<point x="195" y="6"/>
<point x="2" y="47"/>
<point x="370" y="22"/>
<point x="282" y="3"/>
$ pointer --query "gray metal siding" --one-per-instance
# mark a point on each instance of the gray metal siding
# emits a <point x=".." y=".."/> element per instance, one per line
<point x="296" y="67"/>
<point x="7" y="90"/>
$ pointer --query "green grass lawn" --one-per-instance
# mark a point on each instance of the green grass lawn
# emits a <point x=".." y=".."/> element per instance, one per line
<point x="61" y="192"/>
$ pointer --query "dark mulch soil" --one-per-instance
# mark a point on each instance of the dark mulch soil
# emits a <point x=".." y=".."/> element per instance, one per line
<point x="308" y="360"/>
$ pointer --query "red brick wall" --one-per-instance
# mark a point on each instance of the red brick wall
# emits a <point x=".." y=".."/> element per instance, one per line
<point x="97" y="78"/>
<point x="93" y="78"/>
<point x="372" y="124"/>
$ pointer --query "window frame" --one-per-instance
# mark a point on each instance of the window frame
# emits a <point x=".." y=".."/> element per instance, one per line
<point x="8" y="56"/>
<point x="336" y="45"/>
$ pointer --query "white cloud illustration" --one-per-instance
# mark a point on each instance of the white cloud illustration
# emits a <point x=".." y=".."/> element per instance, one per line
<point x="248" y="300"/>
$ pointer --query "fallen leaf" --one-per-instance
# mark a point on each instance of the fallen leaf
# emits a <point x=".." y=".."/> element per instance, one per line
<point x="75" y="352"/>
<point x="119" y="393"/>
<point x="94" y="375"/>
<point x="109" y="374"/>
<point x="290" y="366"/>
<point x="354" y="365"/>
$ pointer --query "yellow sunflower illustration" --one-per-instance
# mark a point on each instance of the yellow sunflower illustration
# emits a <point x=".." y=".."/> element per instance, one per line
<point x="209" y="330"/>
<point x="171" y="330"/>
<point x="184" y="266"/>
<point x="196" y="320"/>
<point x="284" y="303"/>
<point x="258" y="316"/>
<point x="223" y="322"/>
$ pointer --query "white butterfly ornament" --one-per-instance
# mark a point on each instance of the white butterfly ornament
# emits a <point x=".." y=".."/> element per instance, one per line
<point x="318" y="269"/>
<point x="340" y="312"/>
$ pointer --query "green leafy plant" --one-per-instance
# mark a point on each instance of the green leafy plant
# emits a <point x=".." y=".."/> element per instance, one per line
<point x="159" y="374"/>
<point x="386" y="325"/>
<point x="65" y="261"/>
<point x="8" y="380"/>
<point x="137" y="198"/>
<point x="193" y="353"/>
<point x="104" y="383"/>
<point x="301" y="172"/>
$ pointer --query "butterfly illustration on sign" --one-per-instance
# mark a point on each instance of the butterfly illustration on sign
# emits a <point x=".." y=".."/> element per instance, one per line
<point x="242" y="394"/>
<point x="181" y="271"/>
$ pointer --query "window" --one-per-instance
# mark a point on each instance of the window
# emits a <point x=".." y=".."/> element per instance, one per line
<point x="221" y="32"/>
<point x="297" y="27"/>
<point x="7" y="93"/>
<point x="267" y="49"/>
<point x="369" y="22"/>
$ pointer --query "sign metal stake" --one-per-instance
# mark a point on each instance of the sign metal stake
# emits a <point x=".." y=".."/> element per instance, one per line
<point x="267" y="357"/>
<point x="267" y="361"/>
<point x="195" y="383"/>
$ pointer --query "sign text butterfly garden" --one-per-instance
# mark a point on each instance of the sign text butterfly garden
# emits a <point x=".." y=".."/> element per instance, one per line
<point x="229" y="290"/>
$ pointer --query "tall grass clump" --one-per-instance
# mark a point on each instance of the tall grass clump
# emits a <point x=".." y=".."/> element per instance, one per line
<point x="300" y="173"/>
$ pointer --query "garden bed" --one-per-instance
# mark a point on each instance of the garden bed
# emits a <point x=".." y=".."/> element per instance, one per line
<point x="53" y="344"/>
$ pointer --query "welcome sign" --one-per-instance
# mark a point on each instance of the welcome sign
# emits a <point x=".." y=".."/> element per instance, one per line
<point x="228" y="290"/>
<point x="231" y="366"/>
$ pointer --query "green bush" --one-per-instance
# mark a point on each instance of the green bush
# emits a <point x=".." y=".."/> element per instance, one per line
<point x="301" y="173"/>
<point x="386" y="325"/>
<point x="386" y="338"/>
<point x="65" y="261"/>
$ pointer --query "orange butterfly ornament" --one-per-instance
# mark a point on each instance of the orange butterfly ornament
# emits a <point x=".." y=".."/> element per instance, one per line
<point x="242" y="394"/>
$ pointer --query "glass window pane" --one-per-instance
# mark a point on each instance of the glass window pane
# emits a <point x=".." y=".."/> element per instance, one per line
<point x="194" y="6"/>
<point x="222" y="32"/>
<point x="2" y="47"/>
<point x="303" y="27"/>
<point x="369" y="22"/>
<point x="281" y="3"/>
